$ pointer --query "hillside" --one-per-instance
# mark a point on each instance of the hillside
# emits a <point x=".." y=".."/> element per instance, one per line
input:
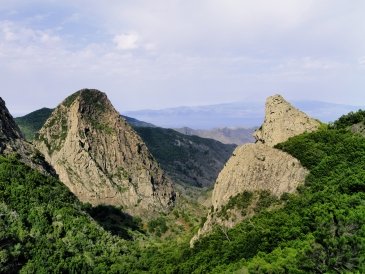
<point x="318" y="229"/>
<point x="44" y="228"/>
<point x="189" y="160"/>
<point x="237" y="136"/>
<point x="31" y="123"/>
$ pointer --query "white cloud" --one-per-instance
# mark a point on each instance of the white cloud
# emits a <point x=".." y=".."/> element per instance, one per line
<point x="362" y="61"/>
<point x="182" y="50"/>
<point x="126" y="41"/>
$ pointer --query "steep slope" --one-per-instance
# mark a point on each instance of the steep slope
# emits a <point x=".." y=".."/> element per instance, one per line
<point x="45" y="229"/>
<point x="31" y="123"/>
<point x="283" y="121"/>
<point x="237" y="136"/>
<point x="137" y="123"/>
<point x="12" y="142"/>
<point x="100" y="158"/>
<point x="190" y="160"/>
<point x="260" y="167"/>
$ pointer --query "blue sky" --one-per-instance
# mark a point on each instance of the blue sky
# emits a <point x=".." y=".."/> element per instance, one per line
<point x="157" y="54"/>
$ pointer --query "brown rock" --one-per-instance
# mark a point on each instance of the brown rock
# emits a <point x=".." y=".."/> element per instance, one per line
<point x="100" y="158"/>
<point x="283" y="121"/>
<point x="260" y="167"/>
<point x="12" y="142"/>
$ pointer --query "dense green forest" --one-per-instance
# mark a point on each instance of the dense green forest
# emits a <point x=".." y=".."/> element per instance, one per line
<point x="44" y="228"/>
<point x="321" y="229"/>
<point x="31" y="123"/>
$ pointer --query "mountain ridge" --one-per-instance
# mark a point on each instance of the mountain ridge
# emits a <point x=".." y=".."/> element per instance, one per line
<point x="236" y="114"/>
<point x="100" y="157"/>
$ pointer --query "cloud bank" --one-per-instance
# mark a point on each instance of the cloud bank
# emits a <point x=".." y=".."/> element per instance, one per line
<point x="155" y="54"/>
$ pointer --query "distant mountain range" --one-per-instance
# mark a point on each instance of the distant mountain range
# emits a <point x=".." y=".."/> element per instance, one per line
<point x="232" y="115"/>
<point x="224" y="135"/>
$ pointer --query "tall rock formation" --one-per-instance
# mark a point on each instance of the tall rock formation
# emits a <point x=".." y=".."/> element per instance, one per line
<point x="12" y="142"/>
<point x="100" y="158"/>
<point x="283" y="121"/>
<point x="257" y="167"/>
<point x="261" y="167"/>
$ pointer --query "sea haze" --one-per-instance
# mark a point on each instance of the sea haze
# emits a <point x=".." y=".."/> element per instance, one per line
<point x="237" y="114"/>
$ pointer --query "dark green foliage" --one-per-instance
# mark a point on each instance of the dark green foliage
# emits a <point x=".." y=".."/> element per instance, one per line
<point x="319" y="230"/>
<point x="31" y="123"/>
<point x="115" y="221"/>
<point x="350" y="119"/>
<point x="157" y="226"/>
<point x="70" y="99"/>
<point x="188" y="159"/>
<point x="265" y="200"/>
<point x="43" y="227"/>
<point x="239" y="202"/>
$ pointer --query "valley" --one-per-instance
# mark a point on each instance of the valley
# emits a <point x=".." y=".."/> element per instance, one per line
<point x="84" y="189"/>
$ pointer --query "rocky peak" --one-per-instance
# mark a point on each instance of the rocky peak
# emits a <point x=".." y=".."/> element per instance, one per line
<point x="12" y="142"/>
<point x="282" y="121"/>
<point x="100" y="157"/>
<point x="261" y="167"/>
<point x="8" y="128"/>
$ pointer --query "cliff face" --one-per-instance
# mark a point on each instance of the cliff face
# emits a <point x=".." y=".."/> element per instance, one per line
<point x="260" y="167"/>
<point x="100" y="157"/>
<point x="283" y="121"/>
<point x="257" y="167"/>
<point x="12" y="142"/>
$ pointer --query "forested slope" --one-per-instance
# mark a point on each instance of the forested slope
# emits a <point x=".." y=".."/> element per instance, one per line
<point x="319" y="230"/>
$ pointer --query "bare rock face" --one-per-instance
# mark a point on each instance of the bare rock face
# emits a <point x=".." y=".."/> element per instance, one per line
<point x="260" y="167"/>
<point x="283" y="121"/>
<point x="100" y="158"/>
<point x="12" y="142"/>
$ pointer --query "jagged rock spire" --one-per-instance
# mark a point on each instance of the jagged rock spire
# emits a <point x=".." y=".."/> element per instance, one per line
<point x="100" y="157"/>
<point x="283" y="121"/>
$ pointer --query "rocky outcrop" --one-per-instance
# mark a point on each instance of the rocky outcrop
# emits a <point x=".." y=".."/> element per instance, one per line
<point x="260" y="167"/>
<point x="255" y="167"/>
<point x="283" y="121"/>
<point x="100" y="158"/>
<point x="12" y="142"/>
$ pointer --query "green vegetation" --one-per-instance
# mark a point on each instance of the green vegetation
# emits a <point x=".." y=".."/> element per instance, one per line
<point x="190" y="160"/>
<point x="43" y="227"/>
<point x="256" y="201"/>
<point x="321" y="229"/>
<point x="70" y="99"/>
<point x="31" y="123"/>
<point x="350" y="119"/>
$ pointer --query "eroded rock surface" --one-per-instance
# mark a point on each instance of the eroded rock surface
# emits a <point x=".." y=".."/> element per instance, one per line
<point x="12" y="142"/>
<point x="261" y="167"/>
<point x="258" y="167"/>
<point x="283" y="121"/>
<point x="100" y="158"/>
